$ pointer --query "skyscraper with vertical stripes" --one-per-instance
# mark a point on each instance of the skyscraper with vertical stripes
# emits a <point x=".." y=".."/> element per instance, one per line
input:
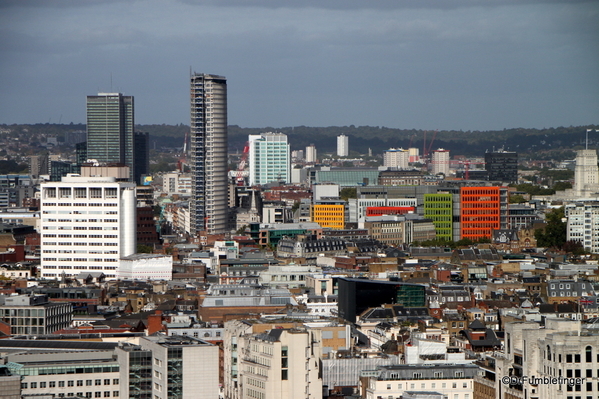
<point x="208" y="156"/>
<point x="110" y="130"/>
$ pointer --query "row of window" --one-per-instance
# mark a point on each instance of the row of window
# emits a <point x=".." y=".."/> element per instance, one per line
<point x="45" y="204"/>
<point x="70" y="383"/>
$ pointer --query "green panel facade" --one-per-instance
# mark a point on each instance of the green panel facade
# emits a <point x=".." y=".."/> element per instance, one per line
<point x="439" y="208"/>
<point x="411" y="295"/>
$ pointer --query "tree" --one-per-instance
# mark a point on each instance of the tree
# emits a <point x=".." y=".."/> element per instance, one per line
<point x="347" y="193"/>
<point x="517" y="199"/>
<point x="144" y="249"/>
<point x="554" y="234"/>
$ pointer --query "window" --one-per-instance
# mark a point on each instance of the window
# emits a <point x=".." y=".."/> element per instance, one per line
<point x="52" y="384"/>
<point x="107" y="381"/>
<point x="284" y="374"/>
<point x="43" y="384"/>
<point x="98" y="394"/>
<point x="115" y="394"/>
<point x="88" y="382"/>
<point x="115" y="382"/>
<point x="61" y="384"/>
<point x="71" y="383"/>
<point x="98" y="382"/>
<point x="79" y="383"/>
<point x="34" y="385"/>
<point x="588" y="354"/>
<point x="106" y="394"/>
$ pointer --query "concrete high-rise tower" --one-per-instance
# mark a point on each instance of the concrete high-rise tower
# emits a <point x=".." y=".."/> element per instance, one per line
<point x="440" y="161"/>
<point x="110" y="134"/>
<point x="208" y="155"/>
<point x="342" y="145"/>
<point x="311" y="156"/>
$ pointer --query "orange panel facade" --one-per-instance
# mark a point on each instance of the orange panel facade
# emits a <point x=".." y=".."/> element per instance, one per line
<point x="480" y="212"/>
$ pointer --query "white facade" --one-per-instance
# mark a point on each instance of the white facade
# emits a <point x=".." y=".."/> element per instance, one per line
<point x="269" y="158"/>
<point x="359" y="206"/>
<point x="88" y="224"/>
<point x="279" y="364"/>
<point x="298" y="176"/>
<point x="586" y="173"/>
<point x="146" y="267"/>
<point x="289" y="276"/>
<point x="453" y="381"/>
<point x="182" y="367"/>
<point x="176" y="183"/>
<point x="396" y="158"/>
<point x="342" y="145"/>
<point x="414" y="154"/>
<point x="583" y="224"/>
<point x="320" y="191"/>
<point x="440" y="162"/>
<point x="311" y="156"/>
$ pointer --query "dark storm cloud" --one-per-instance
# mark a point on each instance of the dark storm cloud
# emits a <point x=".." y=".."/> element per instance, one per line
<point x="424" y="64"/>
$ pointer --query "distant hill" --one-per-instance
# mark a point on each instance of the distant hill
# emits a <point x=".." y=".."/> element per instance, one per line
<point x="379" y="139"/>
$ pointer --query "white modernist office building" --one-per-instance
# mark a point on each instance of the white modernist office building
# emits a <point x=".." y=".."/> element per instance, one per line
<point x="270" y="158"/>
<point x="88" y="224"/>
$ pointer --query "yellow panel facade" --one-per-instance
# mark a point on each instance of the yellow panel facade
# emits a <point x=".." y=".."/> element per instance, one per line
<point x="328" y="215"/>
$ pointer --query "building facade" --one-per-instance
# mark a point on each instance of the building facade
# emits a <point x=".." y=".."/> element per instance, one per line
<point x="439" y="208"/>
<point x="502" y="166"/>
<point x="440" y="162"/>
<point x="35" y="315"/>
<point x="329" y="213"/>
<point x="342" y="145"/>
<point x="280" y="363"/>
<point x="311" y="155"/>
<point x="583" y="224"/>
<point x="269" y="158"/>
<point x="450" y="380"/>
<point x="110" y="130"/>
<point x="482" y="210"/>
<point x="182" y="367"/>
<point x="208" y="207"/>
<point x="88" y="224"/>
<point x="396" y="158"/>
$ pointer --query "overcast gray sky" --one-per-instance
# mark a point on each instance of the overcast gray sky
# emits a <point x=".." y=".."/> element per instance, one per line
<point x="425" y="64"/>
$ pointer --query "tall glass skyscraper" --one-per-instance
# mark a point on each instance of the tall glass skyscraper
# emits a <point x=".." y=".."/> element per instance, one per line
<point x="208" y="207"/>
<point x="269" y="158"/>
<point x="110" y="134"/>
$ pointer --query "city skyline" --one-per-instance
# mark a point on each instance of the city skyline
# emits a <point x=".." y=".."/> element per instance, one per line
<point x="463" y="65"/>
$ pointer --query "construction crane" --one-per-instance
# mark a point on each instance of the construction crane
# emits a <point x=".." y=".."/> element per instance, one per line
<point x="183" y="160"/>
<point x="467" y="164"/>
<point x="242" y="163"/>
<point x="426" y="150"/>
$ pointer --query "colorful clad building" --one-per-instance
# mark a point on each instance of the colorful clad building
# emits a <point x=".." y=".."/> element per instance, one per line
<point x="439" y="208"/>
<point x="482" y="210"/>
<point x="329" y="213"/>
